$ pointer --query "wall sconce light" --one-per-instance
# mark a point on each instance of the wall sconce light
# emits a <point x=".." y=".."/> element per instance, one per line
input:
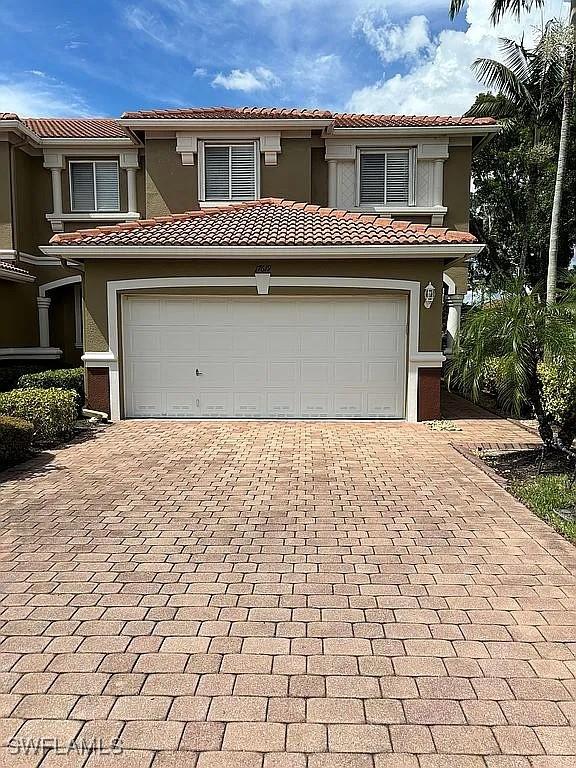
<point x="429" y="295"/>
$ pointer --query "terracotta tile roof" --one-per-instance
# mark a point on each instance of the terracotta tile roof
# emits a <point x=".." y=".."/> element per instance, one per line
<point x="229" y="113"/>
<point x="7" y="266"/>
<point x="76" y="127"/>
<point x="340" y="120"/>
<point x="267" y="222"/>
<point x="9" y="116"/>
<point x="408" y="121"/>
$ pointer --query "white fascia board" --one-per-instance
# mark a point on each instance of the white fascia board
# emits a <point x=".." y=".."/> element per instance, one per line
<point x="67" y="141"/>
<point x="208" y="124"/>
<point x="444" y="130"/>
<point x="19" y="127"/>
<point x="453" y="251"/>
<point x="15" y="277"/>
<point x="30" y="353"/>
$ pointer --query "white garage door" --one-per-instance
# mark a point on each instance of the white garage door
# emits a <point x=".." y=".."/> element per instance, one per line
<point x="264" y="356"/>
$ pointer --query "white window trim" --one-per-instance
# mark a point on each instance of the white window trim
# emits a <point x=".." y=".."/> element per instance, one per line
<point x="95" y="209"/>
<point x="202" y="167"/>
<point x="411" y="176"/>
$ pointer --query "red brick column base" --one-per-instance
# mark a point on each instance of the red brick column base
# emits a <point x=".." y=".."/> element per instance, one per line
<point x="98" y="389"/>
<point x="429" y="393"/>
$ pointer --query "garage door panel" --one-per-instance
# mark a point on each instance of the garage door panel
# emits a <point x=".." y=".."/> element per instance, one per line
<point x="314" y="342"/>
<point x="250" y="373"/>
<point x="349" y="405"/>
<point x="143" y="340"/>
<point x="282" y="404"/>
<point x="214" y="342"/>
<point x="181" y="404"/>
<point x="283" y="341"/>
<point x="386" y="341"/>
<point x="314" y="357"/>
<point x="349" y="342"/>
<point x="248" y="404"/>
<point x="316" y="405"/>
<point x="143" y="311"/>
<point x="316" y="372"/>
<point x="385" y="374"/>
<point x="283" y="373"/>
<point x="350" y="373"/>
<point x="146" y="403"/>
<point x="390" y="311"/>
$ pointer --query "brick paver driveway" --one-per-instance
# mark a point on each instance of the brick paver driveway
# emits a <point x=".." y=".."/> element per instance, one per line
<point x="247" y="594"/>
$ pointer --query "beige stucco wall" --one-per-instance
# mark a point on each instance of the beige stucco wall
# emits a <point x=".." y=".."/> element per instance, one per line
<point x="457" y="170"/>
<point x="98" y="273"/>
<point x="18" y="315"/>
<point x="291" y="178"/>
<point x="33" y="194"/>
<point x="170" y="186"/>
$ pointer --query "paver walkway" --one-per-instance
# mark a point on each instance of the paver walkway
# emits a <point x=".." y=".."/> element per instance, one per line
<point x="282" y="595"/>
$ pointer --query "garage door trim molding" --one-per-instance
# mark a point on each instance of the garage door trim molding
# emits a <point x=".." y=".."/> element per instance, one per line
<point x="416" y="359"/>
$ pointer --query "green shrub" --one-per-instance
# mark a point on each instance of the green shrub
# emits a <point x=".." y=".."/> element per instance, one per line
<point x="15" y="439"/>
<point x="491" y="377"/>
<point x="9" y="374"/>
<point x="64" y="378"/>
<point x="558" y="390"/>
<point x="51" y="411"/>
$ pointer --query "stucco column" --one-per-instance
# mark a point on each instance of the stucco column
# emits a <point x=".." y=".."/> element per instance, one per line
<point x="131" y="179"/>
<point x="56" y="189"/>
<point x="44" y="320"/>
<point x="438" y="185"/>
<point x="454" y="302"/>
<point x="332" y="171"/>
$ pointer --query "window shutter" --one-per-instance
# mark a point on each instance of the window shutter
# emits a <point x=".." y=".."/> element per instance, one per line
<point x="372" y="178"/>
<point x="397" y="177"/>
<point x="243" y="172"/>
<point x="107" y="195"/>
<point x="82" y="184"/>
<point x="217" y="173"/>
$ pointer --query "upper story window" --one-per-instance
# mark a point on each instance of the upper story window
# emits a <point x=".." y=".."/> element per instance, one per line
<point x="94" y="185"/>
<point x="230" y="172"/>
<point x="385" y="177"/>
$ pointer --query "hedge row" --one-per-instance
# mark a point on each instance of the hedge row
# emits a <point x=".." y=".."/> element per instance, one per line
<point x="15" y="439"/>
<point x="52" y="411"/>
<point x="63" y="378"/>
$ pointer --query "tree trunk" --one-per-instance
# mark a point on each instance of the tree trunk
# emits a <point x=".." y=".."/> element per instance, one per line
<point x="551" y="277"/>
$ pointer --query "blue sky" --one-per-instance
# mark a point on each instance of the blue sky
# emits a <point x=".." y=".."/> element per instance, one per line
<point x="85" y="57"/>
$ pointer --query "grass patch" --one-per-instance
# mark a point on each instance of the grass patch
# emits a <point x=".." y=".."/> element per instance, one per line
<point x="544" y="494"/>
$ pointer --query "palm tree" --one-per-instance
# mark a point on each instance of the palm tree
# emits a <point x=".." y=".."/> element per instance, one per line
<point x="517" y="331"/>
<point x="564" y="51"/>
<point x="500" y="7"/>
<point x="527" y="91"/>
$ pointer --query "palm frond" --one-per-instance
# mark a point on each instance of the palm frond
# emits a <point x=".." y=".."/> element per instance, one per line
<point x="516" y="57"/>
<point x="498" y="77"/>
<point x="513" y="7"/>
<point x="455" y="7"/>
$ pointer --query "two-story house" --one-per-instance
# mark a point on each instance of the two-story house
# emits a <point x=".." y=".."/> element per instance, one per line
<point x="238" y="262"/>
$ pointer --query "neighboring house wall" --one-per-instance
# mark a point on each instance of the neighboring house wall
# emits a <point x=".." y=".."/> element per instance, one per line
<point x="98" y="273"/>
<point x="6" y="236"/>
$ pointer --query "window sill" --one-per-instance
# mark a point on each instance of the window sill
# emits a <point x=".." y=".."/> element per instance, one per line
<point x="57" y="220"/>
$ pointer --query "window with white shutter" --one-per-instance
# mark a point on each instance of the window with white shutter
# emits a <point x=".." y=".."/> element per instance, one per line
<point x="384" y="177"/>
<point x="94" y="185"/>
<point x="230" y="171"/>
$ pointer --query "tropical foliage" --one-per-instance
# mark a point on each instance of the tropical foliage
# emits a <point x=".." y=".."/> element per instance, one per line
<point x="522" y="333"/>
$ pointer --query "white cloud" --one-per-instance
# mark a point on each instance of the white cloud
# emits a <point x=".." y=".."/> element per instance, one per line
<point x="395" y="42"/>
<point x="442" y="82"/>
<point x="34" y="94"/>
<point x="247" y="81"/>
<point x="200" y="72"/>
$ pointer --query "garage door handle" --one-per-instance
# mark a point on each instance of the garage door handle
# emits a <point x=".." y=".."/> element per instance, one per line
<point x="198" y="373"/>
